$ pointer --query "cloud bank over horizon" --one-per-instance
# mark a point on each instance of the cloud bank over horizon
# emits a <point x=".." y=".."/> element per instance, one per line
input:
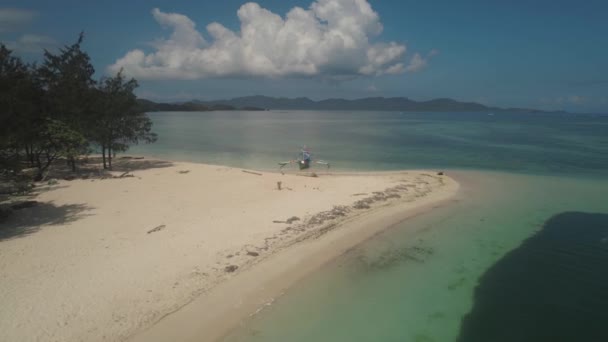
<point x="333" y="40"/>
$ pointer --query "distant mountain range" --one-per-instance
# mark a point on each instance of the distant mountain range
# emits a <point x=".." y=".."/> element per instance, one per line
<point x="190" y="106"/>
<point x="302" y="103"/>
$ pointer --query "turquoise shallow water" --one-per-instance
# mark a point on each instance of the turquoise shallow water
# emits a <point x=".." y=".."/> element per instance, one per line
<point x="387" y="140"/>
<point x="526" y="240"/>
<point x="416" y="282"/>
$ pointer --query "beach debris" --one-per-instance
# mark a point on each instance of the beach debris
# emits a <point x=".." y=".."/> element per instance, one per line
<point x="279" y="185"/>
<point x="255" y="254"/>
<point x="253" y="173"/>
<point x="360" y="194"/>
<point x="337" y="211"/>
<point x="183" y="172"/>
<point x="310" y="174"/>
<point x="440" y="173"/>
<point x="361" y="205"/>
<point x="157" y="229"/>
<point x="69" y="178"/>
<point x="23" y="205"/>
<point x="52" y="181"/>
<point x="292" y="219"/>
<point x="124" y="175"/>
<point x="230" y="268"/>
<point x="278" y="221"/>
<point x="381" y="196"/>
<point x="130" y="157"/>
<point x="229" y="256"/>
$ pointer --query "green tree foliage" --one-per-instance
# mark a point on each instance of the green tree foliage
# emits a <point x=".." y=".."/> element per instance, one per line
<point x="57" y="110"/>
<point x="120" y="119"/>
<point x="56" y="139"/>
<point x="67" y="78"/>
<point x="20" y="107"/>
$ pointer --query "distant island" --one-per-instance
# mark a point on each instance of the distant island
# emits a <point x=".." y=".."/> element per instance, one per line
<point x="190" y="106"/>
<point x="259" y="102"/>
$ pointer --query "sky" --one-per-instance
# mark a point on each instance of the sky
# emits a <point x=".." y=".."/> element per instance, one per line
<point x="534" y="54"/>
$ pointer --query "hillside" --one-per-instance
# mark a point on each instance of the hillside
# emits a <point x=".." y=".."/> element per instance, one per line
<point x="259" y="102"/>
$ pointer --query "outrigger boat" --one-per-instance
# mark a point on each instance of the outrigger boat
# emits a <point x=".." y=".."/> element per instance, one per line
<point x="304" y="160"/>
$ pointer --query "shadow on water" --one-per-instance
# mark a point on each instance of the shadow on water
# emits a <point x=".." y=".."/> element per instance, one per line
<point x="554" y="287"/>
<point x="27" y="221"/>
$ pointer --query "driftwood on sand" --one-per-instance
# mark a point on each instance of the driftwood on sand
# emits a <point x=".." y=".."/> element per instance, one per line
<point x="312" y="174"/>
<point x="231" y="268"/>
<point x="157" y="229"/>
<point x="253" y="173"/>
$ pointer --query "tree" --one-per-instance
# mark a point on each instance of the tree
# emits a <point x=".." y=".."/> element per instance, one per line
<point x="55" y="110"/>
<point x="55" y="139"/>
<point x="67" y="78"/>
<point x="120" y="119"/>
<point x="20" y="109"/>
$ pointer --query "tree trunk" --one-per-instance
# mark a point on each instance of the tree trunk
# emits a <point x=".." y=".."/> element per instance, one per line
<point x="43" y="168"/>
<point x="49" y="160"/>
<point x="103" y="155"/>
<point x="32" y="159"/>
<point x="38" y="163"/>
<point x="38" y="176"/>
<point x="28" y="155"/>
<point x="72" y="162"/>
<point x="110" y="157"/>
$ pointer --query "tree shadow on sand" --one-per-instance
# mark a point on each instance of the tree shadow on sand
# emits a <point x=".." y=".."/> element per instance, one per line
<point x="554" y="287"/>
<point x="92" y="168"/>
<point x="26" y="221"/>
<point x="123" y="165"/>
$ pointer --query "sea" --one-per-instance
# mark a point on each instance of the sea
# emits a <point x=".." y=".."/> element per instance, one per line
<point x="519" y="254"/>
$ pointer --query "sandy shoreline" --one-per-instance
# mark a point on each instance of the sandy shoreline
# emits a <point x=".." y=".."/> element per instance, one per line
<point x="119" y="259"/>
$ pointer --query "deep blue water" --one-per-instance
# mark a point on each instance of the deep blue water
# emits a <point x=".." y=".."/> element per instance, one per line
<point x="553" y="287"/>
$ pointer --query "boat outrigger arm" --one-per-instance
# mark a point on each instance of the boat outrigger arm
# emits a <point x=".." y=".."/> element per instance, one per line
<point x="303" y="160"/>
<point x="320" y="162"/>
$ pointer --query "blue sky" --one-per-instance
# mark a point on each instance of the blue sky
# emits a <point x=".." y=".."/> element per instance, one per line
<point x="539" y="54"/>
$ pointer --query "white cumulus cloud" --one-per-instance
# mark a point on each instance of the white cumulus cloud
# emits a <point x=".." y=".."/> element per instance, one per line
<point x="332" y="39"/>
<point x="418" y="62"/>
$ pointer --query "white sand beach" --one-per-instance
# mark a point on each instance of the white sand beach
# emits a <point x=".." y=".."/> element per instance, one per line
<point x="184" y="251"/>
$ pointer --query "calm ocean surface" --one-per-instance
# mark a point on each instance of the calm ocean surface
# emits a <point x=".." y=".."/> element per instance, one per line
<point x="528" y="143"/>
<point x="520" y="255"/>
